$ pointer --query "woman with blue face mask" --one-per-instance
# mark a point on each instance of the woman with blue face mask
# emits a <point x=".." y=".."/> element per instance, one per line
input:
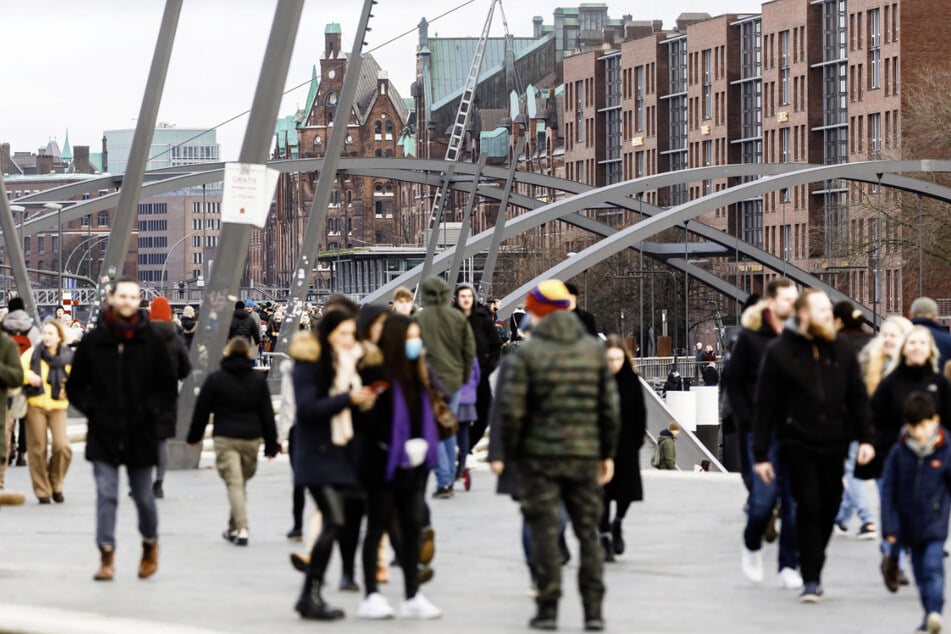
<point x="400" y="450"/>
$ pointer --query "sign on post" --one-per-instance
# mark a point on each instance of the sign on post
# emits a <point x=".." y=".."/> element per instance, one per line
<point x="247" y="194"/>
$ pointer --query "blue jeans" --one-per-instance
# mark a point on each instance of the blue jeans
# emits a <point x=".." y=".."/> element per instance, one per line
<point x="762" y="501"/>
<point x="927" y="560"/>
<point x="107" y="501"/>
<point x="855" y="497"/>
<point x="446" y="469"/>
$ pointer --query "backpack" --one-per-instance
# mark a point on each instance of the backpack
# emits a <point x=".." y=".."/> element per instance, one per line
<point x="655" y="457"/>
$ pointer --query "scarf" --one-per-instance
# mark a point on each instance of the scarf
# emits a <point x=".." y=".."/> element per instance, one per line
<point x="57" y="366"/>
<point x="345" y="379"/>
<point x="402" y="430"/>
<point x="119" y="328"/>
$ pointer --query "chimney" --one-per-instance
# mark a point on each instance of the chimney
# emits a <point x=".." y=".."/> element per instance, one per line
<point x="382" y="81"/>
<point x="105" y="155"/>
<point x="537" y="23"/>
<point x="81" y="160"/>
<point x="44" y="163"/>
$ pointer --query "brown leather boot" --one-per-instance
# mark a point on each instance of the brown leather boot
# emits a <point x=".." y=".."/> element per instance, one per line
<point x="106" y="570"/>
<point x="149" y="563"/>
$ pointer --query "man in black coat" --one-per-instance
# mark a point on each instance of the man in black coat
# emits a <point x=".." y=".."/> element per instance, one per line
<point x="243" y="324"/>
<point x="121" y="379"/>
<point x="924" y="312"/>
<point x="488" y="352"/>
<point x="811" y="397"/>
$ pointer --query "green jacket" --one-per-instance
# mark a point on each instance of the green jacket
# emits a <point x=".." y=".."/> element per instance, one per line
<point x="560" y="399"/>
<point x="11" y="370"/>
<point x="447" y="336"/>
<point x="667" y="450"/>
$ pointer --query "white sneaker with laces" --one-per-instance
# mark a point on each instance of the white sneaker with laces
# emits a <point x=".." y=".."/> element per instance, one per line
<point x="419" y="607"/>
<point x="375" y="606"/>
<point x="790" y="579"/>
<point x="751" y="563"/>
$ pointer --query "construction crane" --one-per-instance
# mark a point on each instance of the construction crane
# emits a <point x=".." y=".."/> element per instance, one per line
<point x="456" y="137"/>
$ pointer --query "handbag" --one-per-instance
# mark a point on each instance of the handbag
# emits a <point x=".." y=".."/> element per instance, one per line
<point x="446" y="422"/>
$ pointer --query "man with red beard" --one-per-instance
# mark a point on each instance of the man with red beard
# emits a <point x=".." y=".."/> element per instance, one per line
<point x="810" y="394"/>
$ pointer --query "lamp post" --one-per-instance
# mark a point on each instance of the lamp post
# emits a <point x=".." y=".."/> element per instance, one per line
<point x="59" y="247"/>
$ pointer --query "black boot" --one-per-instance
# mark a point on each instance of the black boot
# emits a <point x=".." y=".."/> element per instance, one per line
<point x="607" y="547"/>
<point x="593" y="622"/>
<point x="618" y="537"/>
<point x="546" y="618"/>
<point x="311" y="604"/>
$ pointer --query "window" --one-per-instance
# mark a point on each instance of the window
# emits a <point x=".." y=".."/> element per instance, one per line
<point x="103" y="220"/>
<point x="784" y="66"/>
<point x="707" y="85"/>
<point x="86" y="220"/>
<point x="875" y="134"/>
<point x="639" y="98"/>
<point x="389" y="130"/>
<point x="40" y="244"/>
<point x="579" y="112"/>
<point x="874" y="49"/>
<point x="378" y="209"/>
<point x="784" y="142"/>
<point x="377" y="129"/>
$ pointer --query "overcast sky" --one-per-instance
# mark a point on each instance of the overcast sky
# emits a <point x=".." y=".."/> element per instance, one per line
<point x="82" y="64"/>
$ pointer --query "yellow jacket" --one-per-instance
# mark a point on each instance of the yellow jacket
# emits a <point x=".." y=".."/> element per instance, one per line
<point x="44" y="400"/>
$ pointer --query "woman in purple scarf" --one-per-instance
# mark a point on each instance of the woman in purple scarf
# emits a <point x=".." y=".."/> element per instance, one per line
<point x="400" y="451"/>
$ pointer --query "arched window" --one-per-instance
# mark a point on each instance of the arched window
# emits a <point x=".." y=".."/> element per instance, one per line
<point x="378" y="188"/>
<point x="103" y="220"/>
<point x="378" y="153"/>
<point x="389" y="153"/>
<point x="389" y="127"/>
<point x="377" y="128"/>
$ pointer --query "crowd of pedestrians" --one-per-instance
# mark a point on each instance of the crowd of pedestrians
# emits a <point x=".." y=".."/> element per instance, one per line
<point x="376" y="399"/>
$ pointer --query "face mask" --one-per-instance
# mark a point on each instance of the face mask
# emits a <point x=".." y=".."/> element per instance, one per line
<point x="414" y="347"/>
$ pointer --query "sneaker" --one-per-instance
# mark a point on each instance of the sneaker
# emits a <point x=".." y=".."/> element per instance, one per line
<point x="841" y="528"/>
<point x="419" y="607"/>
<point x="790" y="579"/>
<point x="230" y="536"/>
<point x="443" y="493"/>
<point x="934" y="623"/>
<point x="890" y="573"/>
<point x="157" y="490"/>
<point x="375" y="606"/>
<point x="811" y="593"/>
<point x="751" y="563"/>
<point x="241" y="537"/>
<point x="295" y="535"/>
<point x="867" y="532"/>
<point x="903" y="579"/>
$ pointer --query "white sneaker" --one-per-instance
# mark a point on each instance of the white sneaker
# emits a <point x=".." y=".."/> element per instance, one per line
<point x="375" y="606"/>
<point x="751" y="563"/>
<point x="241" y="537"/>
<point x="790" y="579"/>
<point x="419" y="607"/>
<point x="934" y="623"/>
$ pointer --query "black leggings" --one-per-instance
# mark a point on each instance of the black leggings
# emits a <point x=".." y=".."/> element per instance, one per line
<point x="401" y="499"/>
<point x="354" y="507"/>
<point x="330" y="501"/>
<point x="622" y="507"/>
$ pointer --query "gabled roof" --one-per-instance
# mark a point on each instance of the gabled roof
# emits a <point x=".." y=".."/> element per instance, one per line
<point x="452" y="57"/>
<point x="366" y="93"/>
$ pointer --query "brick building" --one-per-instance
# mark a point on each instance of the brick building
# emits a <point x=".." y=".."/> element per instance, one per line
<point x="361" y="210"/>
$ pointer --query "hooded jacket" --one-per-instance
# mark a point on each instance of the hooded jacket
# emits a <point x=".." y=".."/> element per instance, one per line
<point x="20" y="322"/>
<point x="887" y="403"/>
<point x="559" y="399"/>
<point x="238" y="397"/>
<point x="810" y="394"/>
<point x="916" y="490"/>
<point x="739" y="379"/>
<point x="488" y="344"/>
<point x="667" y="450"/>
<point x="447" y="336"/>
<point x="244" y="325"/>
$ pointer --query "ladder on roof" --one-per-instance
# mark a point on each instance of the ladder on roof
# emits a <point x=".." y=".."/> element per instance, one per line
<point x="456" y="136"/>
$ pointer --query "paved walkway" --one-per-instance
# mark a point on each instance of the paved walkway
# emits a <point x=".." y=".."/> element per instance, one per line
<point x="680" y="573"/>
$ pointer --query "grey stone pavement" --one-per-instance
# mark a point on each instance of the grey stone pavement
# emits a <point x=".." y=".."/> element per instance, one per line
<point x="680" y="573"/>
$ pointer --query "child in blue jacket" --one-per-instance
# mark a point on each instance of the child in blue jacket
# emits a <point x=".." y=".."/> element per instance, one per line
<point x="916" y="500"/>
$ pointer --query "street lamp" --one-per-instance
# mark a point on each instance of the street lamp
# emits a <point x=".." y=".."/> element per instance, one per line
<point x="59" y="247"/>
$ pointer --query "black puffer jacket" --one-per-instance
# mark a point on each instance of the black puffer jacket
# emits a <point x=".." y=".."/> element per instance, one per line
<point x="887" y="403"/>
<point x="810" y="394"/>
<point x="739" y="379"/>
<point x="488" y="344"/>
<point x="122" y="387"/>
<point x="238" y="397"/>
<point x="244" y="325"/>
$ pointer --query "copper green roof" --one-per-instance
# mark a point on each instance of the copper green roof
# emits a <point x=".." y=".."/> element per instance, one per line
<point x="67" y="153"/>
<point x="495" y="144"/>
<point x="311" y="92"/>
<point x="95" y="159"/>
<point x="451" y="58"/>
<point x="286" y="131"/>
<point x="332" y="28"/>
